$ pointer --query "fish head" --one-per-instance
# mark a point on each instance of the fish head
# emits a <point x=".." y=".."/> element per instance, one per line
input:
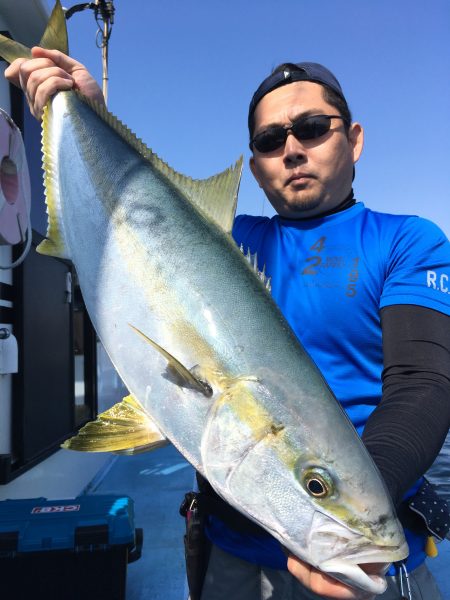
<point x="353" y="533"/>
<point x="313" y="486"/>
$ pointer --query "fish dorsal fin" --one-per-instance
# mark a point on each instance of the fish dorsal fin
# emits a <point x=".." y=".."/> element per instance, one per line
<point x="55" y="34"/>
<point x="252" y="260"/>
<point x="215" y="197"/>
<point x="188" y="377"/>
<point x="124" y="427"/>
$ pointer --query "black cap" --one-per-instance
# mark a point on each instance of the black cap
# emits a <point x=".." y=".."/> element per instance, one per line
<point x="304" y="71"/>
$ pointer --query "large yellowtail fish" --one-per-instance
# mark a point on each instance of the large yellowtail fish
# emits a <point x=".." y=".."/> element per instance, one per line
<point x="209" y="360"/>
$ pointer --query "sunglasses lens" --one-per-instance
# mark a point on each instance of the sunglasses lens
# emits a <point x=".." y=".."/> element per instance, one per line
<point x="270" y="140"/>
<point x="306" y="128"/>
<point x="311" y="127"/>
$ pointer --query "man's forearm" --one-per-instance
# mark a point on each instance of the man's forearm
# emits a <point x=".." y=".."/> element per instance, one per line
<point x="406" y="431"/>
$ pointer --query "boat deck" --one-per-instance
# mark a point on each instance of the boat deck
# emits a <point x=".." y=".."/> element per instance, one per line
<point x="157" y="483"/>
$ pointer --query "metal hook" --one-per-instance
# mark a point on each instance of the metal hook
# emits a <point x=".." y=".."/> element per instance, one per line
<point x="404" y="570"/>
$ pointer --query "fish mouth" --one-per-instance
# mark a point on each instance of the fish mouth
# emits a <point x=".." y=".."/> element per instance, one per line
<point x="353" y="558"/>
<point x="369" y="577"/>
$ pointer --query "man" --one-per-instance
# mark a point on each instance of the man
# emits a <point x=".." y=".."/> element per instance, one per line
<point x="361" y="290"/>
<point x="334" y="265"/>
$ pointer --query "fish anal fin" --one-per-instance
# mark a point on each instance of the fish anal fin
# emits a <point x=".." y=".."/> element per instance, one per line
<point x="124" y="427"/>
<point x="188" y="377"/>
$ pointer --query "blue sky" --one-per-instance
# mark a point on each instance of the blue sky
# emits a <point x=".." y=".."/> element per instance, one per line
<point x="182" y="73"/>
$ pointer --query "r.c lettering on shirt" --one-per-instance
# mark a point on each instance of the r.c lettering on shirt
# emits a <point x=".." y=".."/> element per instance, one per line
<point x="439" y="282"/>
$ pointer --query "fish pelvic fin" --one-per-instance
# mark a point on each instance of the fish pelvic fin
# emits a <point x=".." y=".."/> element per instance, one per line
<point x="188" y="377"/>
<point x="54" y="38"/>
<point x="126" y="428"/>
<point x="54" y="244"/>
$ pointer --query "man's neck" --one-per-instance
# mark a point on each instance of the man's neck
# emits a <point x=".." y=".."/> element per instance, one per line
<point x="346" y="203"/>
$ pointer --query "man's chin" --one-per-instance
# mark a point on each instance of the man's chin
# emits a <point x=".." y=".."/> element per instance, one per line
<point x="301" y="208"/>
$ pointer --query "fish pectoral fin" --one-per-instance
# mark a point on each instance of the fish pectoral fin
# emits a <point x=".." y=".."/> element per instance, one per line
<point x="188" y="377"/>
<point x="124" y="427"/>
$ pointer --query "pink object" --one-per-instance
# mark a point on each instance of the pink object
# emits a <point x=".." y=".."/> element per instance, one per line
<point x="14" y="183"/>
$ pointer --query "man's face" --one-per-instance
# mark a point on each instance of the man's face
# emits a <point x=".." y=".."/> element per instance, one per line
<point x="304" y="178"/>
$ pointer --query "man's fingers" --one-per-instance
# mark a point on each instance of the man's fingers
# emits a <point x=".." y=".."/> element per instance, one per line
<point x="322" y="584"/>
<point x="83" y="80"/>
<point x="58" y="58"/>
<point x="12" y="73"/>
<point x="45" y="90"/>
<point x="33" y="72"/>
<point x="47" y="72"/>
<point x="42" y="76"/>
<point x="39" y="77"/>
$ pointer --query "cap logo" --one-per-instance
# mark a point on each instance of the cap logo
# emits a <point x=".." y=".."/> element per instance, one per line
<point x="286" y="74"/>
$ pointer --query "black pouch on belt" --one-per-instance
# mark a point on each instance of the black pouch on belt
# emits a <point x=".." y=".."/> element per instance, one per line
<point x="196" y="544"/>
<point x="426" y="513"/>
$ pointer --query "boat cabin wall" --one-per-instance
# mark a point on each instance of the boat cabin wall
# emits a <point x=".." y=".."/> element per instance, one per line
<point x="55" y="389"/>
<point x="5" y="286"/>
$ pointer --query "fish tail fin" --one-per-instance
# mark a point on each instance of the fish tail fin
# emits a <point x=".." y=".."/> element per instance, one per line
<point x="126" y="428"/>
<point x="54" y="38"/>
<point x="55" y="34"/>
<point x="10" y="49"/>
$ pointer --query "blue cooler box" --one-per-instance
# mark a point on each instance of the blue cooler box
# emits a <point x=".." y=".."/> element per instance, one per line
<point x="75" y="549"/>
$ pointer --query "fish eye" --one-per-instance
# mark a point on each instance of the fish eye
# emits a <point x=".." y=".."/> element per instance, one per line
<point x="317" y="482"/>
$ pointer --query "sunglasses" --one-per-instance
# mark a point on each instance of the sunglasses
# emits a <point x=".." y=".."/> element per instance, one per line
<point x="304" y="128"/>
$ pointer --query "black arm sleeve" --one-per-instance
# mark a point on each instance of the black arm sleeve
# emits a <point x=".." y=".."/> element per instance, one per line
<point x="407" y="429"/>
